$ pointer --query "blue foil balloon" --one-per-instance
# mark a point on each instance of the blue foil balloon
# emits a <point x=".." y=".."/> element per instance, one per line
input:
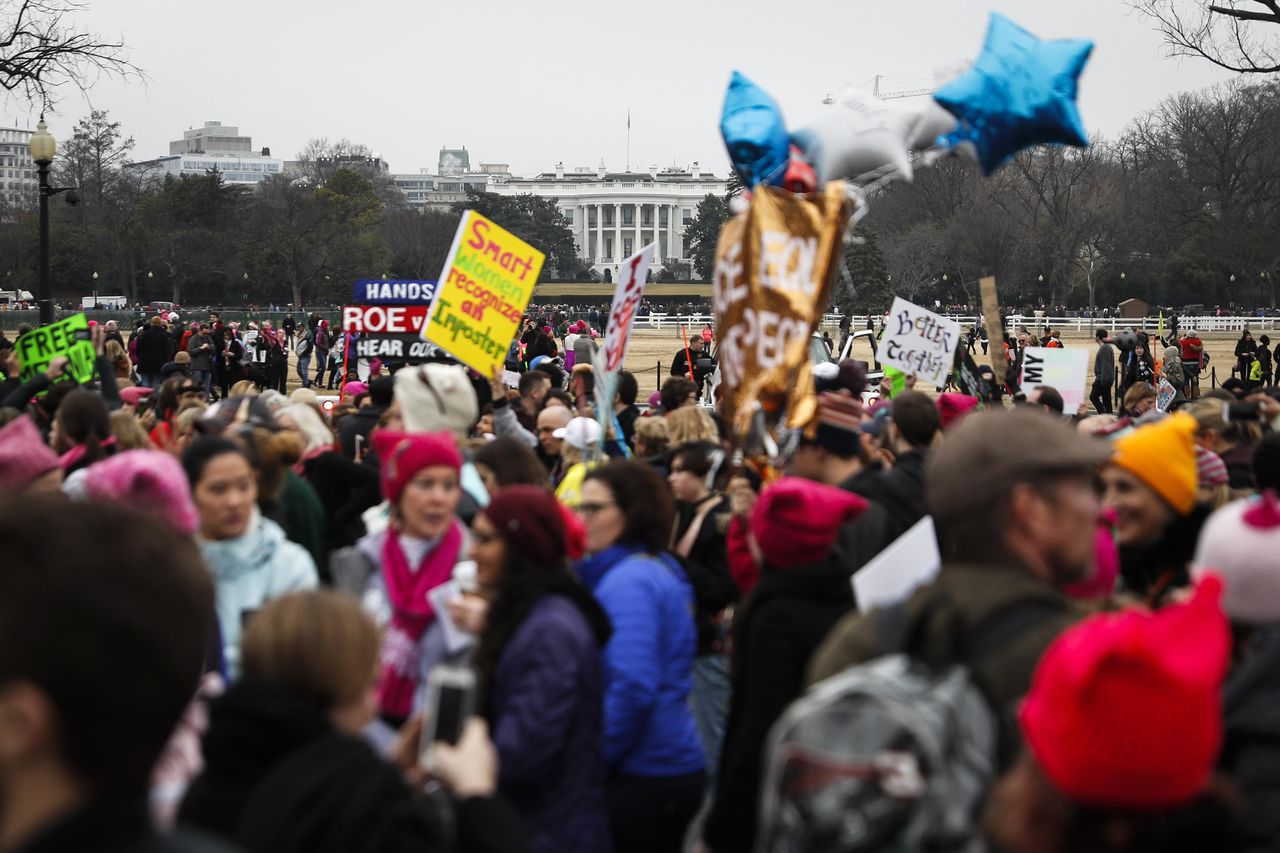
<point x="754" y="133"/>
<point x="1020" y="92"/>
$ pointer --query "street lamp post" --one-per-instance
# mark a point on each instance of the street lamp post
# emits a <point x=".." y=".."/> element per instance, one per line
<point x="43" y="148"/>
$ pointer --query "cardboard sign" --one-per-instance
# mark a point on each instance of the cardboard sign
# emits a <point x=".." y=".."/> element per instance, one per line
<point x="393" y="348"/>
<point x="626" y="299"/>
<point x="774" y="268"/>
<point x="918" y="341"/>
<point x="911" y="561"/>
<point x="378" y="291"/>
<point x="485" y="286"/>
<point x="385" y="319"/>
<point x="69" y="337"/>
<point x="1064" y="370"/>
<point x="1165" y="392"/>
<point x="609" y="358"/>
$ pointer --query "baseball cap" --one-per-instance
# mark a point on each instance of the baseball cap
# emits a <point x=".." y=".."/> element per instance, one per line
<point x="580" y="433"/>
<point x="990" y="452"/>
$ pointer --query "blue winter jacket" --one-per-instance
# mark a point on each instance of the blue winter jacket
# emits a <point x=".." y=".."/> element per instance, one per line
<point x="649" y="729"/>
<point x="547" y="721"/>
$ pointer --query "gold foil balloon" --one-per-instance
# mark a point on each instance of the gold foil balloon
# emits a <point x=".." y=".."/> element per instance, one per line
<point x="774" y="267"/>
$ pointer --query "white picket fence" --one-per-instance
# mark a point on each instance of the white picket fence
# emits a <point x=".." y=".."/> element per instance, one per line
<point x="1034" y="322"/>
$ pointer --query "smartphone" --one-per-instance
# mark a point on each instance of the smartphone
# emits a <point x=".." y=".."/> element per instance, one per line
<point x="451" y="692"/>
<point x="1240" y="412"/>
<point x="359" y="447"/>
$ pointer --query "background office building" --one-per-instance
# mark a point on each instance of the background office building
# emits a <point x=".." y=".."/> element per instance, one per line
<point x="214" y="146"/>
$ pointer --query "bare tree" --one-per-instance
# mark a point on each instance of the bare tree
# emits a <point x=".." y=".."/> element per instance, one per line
<point x="1239" y="35"/>
<point x="42" y="50"/>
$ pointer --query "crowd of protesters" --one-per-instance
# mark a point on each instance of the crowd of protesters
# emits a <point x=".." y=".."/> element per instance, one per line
<point x="224" y="610"/>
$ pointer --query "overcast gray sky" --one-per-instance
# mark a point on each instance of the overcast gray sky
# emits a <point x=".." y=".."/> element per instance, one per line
<point x="533" y="83"/>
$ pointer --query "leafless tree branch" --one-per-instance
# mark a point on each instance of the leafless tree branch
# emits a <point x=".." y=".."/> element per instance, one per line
<point x="42" y="50"/>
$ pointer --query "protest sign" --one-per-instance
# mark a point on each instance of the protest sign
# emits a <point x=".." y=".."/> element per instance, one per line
<point x="381" y="291"/>
<point x="994" y="327"/>
<point x="385" y="319"/>
<point x="918" y="341"/>
<point x="397" y="348"/>
<point x="68" y="337"/>
<point x="488" y="277"/>
<point x="1064" y="370"/>
<point x="910" y="561"/>
<point x="773" y="274"/>
<point x="626" y="299"/>
<point x="1165" y="392"/>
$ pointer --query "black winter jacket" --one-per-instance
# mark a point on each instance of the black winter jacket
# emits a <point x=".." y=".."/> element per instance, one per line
<point x="785" y="619"/>
<point x="279" y="778"/>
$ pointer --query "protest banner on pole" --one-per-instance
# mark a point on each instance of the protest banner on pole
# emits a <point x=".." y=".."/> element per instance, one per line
<point x="995" y="329"/>
<point x="68" y="337"/>
<point x="918" y="341"/>
<point x="488" y="277"/>
<point x="385" y="319"/>
<point x="609" y="358"/>
<point x="1064" y="370"/>
<point x="381" y="291"/>
<point x="775" y="264"/>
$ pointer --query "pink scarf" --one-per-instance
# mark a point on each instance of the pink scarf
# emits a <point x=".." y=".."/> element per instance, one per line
<point x="411" y="614"/>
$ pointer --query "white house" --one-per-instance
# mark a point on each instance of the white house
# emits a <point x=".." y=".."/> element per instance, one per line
<point x="613" y="214"/>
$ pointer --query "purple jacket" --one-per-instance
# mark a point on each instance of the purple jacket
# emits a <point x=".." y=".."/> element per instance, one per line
<point x="547" y="721"/>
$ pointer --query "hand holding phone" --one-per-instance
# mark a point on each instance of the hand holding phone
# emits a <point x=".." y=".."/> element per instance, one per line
<point x="450" y="701"/>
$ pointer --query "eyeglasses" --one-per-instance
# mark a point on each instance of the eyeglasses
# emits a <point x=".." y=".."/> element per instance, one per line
<point x="192" y="392"/>
<point x="590" y="509"/>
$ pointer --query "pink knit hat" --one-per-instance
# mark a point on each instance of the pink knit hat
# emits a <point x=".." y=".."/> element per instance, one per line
<point x="24" y="457"/>
<point x="1125" y="709"/>
<point x="795" y="521"/>
<point x="147" y="480"/>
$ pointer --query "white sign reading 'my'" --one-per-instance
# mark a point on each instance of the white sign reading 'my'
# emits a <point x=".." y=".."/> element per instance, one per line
<point x="918" y="341"/>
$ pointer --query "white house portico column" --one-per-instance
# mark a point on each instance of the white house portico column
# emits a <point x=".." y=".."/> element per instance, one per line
<point x="639" y="234"/>
<point x="676" y="249"/>
<point x="617" y="233"/>
<point x="657" y="233"/>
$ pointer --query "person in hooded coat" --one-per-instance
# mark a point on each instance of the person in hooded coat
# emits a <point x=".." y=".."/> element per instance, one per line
<point x="803" y="591"/>
<point x="541" y="672"/>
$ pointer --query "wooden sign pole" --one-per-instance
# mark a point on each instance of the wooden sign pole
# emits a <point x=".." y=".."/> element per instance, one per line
<point x="995" y="329"/>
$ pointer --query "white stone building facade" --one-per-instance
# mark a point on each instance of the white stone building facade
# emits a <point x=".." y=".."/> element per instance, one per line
<point x="214" y="146"/>
<point x="19" y="183"/>
<point x="613" y="214"/>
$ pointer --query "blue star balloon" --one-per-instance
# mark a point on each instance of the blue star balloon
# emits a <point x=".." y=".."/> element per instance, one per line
<point x="754" y="133"/>
<point x="1020" y="92"/>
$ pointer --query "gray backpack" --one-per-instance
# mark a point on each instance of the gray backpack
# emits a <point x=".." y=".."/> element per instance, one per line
<point x="892" y="755"/>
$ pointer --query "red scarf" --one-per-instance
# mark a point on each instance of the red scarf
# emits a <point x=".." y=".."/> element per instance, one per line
<point x="411" y="614"/>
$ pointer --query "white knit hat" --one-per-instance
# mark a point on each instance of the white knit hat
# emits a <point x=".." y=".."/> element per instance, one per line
<point x="1241" y="543"/>
<point x="436" y="398"/>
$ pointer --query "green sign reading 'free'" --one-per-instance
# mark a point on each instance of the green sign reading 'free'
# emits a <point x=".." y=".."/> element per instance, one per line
<point x="69" y="337"/>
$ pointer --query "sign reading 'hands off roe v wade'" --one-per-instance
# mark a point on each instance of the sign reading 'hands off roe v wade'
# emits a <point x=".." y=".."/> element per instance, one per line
<point x="919" y="341"/>
<point x="488" y="277"/>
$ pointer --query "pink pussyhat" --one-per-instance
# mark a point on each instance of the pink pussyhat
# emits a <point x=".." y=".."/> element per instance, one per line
<point x="1106" y="563"/>
<point x="147" y="480"/>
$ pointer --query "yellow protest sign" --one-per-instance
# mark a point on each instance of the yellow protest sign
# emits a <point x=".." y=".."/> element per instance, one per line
<point x="488" y="277"/>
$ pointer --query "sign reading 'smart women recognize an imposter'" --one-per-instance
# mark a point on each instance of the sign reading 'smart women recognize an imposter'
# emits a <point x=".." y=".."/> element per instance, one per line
<point x="919" y="341"/>
<point x="484" y="288"/>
